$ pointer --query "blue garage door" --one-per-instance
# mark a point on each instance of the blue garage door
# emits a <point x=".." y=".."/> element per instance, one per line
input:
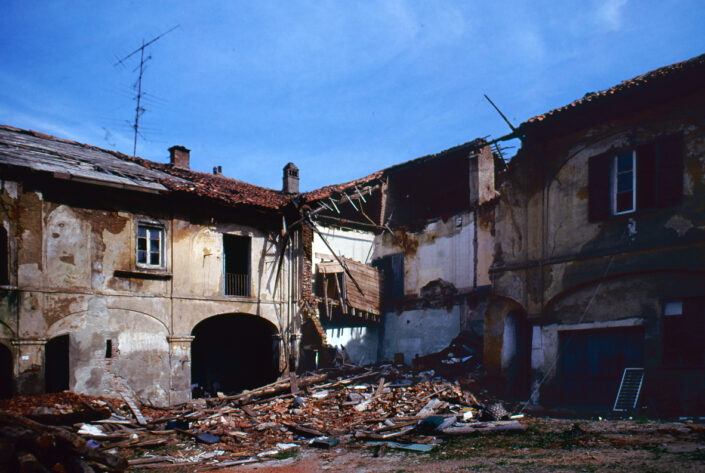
<point x="592" y="361"/>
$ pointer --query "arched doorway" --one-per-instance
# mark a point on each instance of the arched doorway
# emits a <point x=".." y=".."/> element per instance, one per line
<point x="56" y="364"/>
<point x="233" y="352"/>
<point x="5" y="372"/>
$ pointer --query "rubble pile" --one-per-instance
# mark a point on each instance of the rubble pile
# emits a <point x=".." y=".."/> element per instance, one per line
<point x="390" y="404"/>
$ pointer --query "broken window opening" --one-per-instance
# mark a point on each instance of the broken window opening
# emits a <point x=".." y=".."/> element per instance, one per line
<point x="5" y="372"/>
<point x="56" y="364"/>
<point x="233" y="352"/>
<point x="236" y="251"/>
<point x="108" y="348"/>
<point x="4" y="257"/>
<point x="150" y="246"/>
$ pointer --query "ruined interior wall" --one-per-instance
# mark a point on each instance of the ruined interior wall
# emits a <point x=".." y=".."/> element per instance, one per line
<point x="442" y="249"/>
<point x="360" y="341"/>
<point x="73" y="272"/>
<point x="418" y="332"/>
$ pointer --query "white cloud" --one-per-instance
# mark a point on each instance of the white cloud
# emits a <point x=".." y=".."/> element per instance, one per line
<point x="609" y="14"/>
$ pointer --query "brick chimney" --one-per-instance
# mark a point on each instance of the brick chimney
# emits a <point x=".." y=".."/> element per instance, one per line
<point x="291" y="179"/>
<point x="180" y="157"/>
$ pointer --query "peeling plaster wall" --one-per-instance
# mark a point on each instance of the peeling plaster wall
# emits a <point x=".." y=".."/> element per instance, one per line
<point x="73" y="271"/>
<point x="442" y="249"/>
<point x="549" y="258"/>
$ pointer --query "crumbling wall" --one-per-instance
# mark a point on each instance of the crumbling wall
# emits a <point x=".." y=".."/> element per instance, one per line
<point x="420" y="332"/>
<point x="563" y="269"/>
<point x="73" y="272"/>
<point x="442" y="249"/>
<point x="362" y="339"/>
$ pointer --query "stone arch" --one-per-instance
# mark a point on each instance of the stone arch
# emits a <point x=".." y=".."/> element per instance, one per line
<point x="234" y="351"/>
<point x="115" y="348"/>
<point x="271" y="318"/>
<point x="6" y="331"/>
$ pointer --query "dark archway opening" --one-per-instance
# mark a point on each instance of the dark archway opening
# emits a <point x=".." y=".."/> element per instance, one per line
<point x="518" y="372"/>
<point x="233" y="352"/>
<point x="56" y="364"/>
<point x="5" y="372"/>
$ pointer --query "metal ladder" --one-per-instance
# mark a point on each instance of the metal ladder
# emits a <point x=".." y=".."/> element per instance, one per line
<point x="629" y="389"/>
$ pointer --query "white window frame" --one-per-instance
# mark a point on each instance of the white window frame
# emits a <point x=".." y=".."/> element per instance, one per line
<point x="613" y="184"/>
<point x="150" y="227"/>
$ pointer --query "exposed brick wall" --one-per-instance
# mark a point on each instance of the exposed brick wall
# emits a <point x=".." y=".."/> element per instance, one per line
<point x="307" y="270"/>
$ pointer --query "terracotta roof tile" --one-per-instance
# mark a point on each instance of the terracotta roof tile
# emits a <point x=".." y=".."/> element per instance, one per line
<point x="690" y="68"/>
<point x="39" y="150"/>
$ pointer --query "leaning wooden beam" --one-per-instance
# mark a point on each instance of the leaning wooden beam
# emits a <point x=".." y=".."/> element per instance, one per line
<point x="335" y="255"/>
<point x="273" y="389"/>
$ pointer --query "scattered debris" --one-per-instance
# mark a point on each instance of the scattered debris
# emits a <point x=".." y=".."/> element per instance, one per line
<point x="322" y="409"/>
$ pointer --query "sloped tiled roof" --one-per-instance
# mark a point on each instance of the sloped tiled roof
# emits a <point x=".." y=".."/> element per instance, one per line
<point x="678" y="77"/>
<point x="77" y="161"/>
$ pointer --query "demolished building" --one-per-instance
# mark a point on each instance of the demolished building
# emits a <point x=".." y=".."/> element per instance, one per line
<point x="120" y="275"/>
<point x="600" y="248"/>
<point x="401" y="257"/>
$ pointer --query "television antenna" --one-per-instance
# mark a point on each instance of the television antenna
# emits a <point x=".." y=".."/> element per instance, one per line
<point x="139" y="110"/>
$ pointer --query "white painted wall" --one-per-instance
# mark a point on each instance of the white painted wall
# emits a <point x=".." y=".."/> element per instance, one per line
<point x="353" y="244"/>
<point x="360" y="342"/>
<point x="418" y="332"/>
<point x="445" y="250"/>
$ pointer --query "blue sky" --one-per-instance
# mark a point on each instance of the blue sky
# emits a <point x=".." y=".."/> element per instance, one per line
<point x="341" y="88"/>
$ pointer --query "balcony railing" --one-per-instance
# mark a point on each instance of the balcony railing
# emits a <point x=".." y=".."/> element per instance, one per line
<point x="237" y="284"/>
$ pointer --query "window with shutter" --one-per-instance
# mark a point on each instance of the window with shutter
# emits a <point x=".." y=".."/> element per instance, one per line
<point x="646" y="177"/>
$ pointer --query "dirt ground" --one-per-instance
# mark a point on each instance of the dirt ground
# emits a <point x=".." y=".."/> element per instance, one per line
<point x="547" y="445"/>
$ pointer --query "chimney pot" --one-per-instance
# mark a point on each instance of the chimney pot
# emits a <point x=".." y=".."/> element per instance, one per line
<point x="291" y="179"/>
<point x="180" y="157"/>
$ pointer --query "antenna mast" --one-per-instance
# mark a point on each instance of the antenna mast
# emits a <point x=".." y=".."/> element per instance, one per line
<point x="139" y="110"/>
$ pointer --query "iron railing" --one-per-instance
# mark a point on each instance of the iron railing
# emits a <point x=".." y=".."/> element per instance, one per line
<point x="237" y="284"/>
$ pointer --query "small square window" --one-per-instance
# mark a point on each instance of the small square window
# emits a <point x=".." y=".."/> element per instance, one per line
<point x="623" y="183"/>
<point x="150" y="246"/>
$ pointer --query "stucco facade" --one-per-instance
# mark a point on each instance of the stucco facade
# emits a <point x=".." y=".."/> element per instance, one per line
<point x="572" y="282"/>
<point x="77" y="274"/>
